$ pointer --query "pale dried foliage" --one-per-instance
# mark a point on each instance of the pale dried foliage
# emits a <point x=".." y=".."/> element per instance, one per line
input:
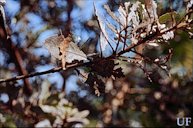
<point x="134" y="21"/>
<point x="63" y="111"/>
<point x="134" y="27"/>
<point x="64" y="49"/>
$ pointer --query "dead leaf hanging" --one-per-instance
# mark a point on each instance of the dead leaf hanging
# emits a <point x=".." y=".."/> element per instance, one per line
<point x="64" y="49"/>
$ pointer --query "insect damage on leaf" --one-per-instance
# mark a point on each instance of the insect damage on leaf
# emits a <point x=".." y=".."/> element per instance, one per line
<point x="64" y="49"/>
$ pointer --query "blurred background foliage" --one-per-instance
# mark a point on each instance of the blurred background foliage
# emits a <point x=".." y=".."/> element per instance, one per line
<point x="62" y="99"/>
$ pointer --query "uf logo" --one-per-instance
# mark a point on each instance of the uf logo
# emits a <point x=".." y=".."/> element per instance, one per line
<point x="185" y="121"/>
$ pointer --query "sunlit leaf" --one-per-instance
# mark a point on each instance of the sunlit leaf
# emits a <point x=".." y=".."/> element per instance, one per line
<point x="64" y="49"/>
<point x="104" y="35"/>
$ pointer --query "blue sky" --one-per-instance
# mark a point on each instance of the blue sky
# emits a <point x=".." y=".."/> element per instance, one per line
<point x="83" y="13"/>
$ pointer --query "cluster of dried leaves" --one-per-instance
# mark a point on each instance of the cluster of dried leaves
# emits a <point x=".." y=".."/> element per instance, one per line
<point x="135" y="35"/>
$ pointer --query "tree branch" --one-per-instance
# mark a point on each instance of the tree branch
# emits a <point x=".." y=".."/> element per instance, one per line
<point x="150" y="37"/>
<point x="57" y="69"/>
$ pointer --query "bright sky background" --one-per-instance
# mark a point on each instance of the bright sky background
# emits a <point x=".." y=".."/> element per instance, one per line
<point x="83" y="13"/>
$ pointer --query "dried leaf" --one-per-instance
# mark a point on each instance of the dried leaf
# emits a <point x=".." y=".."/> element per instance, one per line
<point x="133" y="15"/>
<point x="123" y="16"/>
<point x="110" y="26"/>
<point x="104" y="35"/>
<point x="103" y="42"/>
<point x="74" y="53"/>
<point x="64" y="49"/>
<point x="127" y="4"/>
<point x="63" y="46"/>
<point x="112" y="14"/>
<point x="53" y="44"/>
<point x="118" y="73"/>
<point x="96" y="83"/>
<point x="168" y="35"/>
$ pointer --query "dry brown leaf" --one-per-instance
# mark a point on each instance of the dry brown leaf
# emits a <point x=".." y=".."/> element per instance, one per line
<point x="64" y="49"/>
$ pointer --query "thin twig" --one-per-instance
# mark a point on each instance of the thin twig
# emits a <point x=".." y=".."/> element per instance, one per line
<point x="150" y="61"/>
<point x="149" y="38"/>
<point x="57" y="69"/>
